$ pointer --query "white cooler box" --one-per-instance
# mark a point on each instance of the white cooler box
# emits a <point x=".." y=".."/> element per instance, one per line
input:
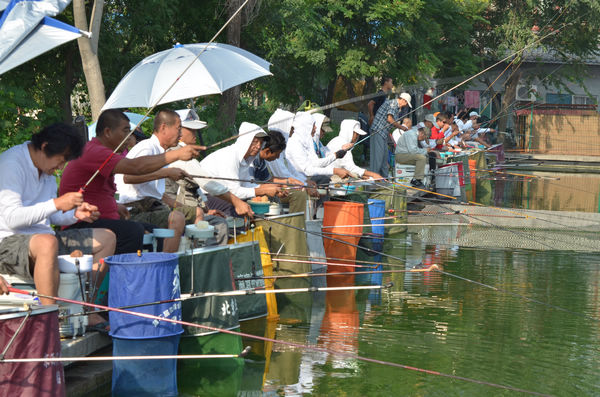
<point x="448" y="179"/>
<point x="404" y="173"/>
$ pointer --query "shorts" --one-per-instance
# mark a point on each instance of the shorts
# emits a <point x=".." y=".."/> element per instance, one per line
<point x="14" y="250"/>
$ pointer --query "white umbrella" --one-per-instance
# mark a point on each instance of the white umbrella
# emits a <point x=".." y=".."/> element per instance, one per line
<point x="49" y="33"/>
<point x="134" y="120"/>
<point x="219" y="68"/>
<point x="26" y="31"/>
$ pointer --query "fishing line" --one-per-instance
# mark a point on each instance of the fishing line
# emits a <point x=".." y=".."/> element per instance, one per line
<point x="241" y="292"/>
<point x="286" y="343"/>
<point x="517" y="232"/>
<point x="312" y="274"/>
<point x="242" y="354"/>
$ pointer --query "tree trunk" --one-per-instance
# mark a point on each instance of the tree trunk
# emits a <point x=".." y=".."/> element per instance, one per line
<point x="89" y="55"/>
<point x="508" y="99"/>
<point x="230" y="98"/>
<point x="66" y="100"/>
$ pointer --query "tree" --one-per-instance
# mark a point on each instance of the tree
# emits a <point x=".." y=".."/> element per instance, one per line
<point x="313" y="43"/>
<point x="88" y="49"/>
<point x="569" y="28"/>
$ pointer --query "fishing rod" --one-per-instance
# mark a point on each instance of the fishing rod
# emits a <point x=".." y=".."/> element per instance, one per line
<point x="243" y="292"/>
<point x="286" y="343"/>
<point x="515" y="232"/>
<point x="460" y="277"/>
<point x="374" y="264"/>
<point x="242" y="354"/>
<point x="319" y="257"/>
<point x="370" y="96"/>
<point x="311" y="274"/>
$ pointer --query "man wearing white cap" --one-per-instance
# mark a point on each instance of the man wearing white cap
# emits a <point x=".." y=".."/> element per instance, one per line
<point x="388" y="116"/>
<point x="349" y="132"/>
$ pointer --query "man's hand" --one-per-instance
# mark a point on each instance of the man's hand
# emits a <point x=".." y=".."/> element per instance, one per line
<point x="175" y="174"/>
<point x="123" y="212"/>
<point x="87" y="212"/>
<point x="3" y="286"/>
<point x="242" y="208"/>
<point x="217" y="213"/>
<point x="341" y="172"/>
<point x="270" y="189"/>
<point x="68" y="201"/>
<point x="293" y="181"/>
<point x="189" y="152"/>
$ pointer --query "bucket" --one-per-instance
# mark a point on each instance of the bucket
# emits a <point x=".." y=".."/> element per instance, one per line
<point x="151" y="277"/>
<point x="344" y="216"/>
<point x="38" y="338"/>
<point x="145" y="377"/>
<point x="146" y="278"/>
<point x="473" y="175"/>
<point x="377" y="210"/>
<point x="69" y="288"/>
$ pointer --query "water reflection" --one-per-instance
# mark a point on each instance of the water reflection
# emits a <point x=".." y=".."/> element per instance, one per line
<point x="432" y="321"/>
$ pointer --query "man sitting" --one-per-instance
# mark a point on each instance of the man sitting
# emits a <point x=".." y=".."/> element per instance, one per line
<point x="349" y="132"/>
<point x="112" y="127"/>
<point x="232" y="163"/>
<point x="301" y="152"/>
<point x="274" y="145"/>
<point x="143" y="194"/>
<point x="186" y="194"/>
<point x="29" y="205"/>
<point x="409" y="152"/>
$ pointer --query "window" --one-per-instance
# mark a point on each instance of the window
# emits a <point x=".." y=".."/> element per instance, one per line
<point x="558" y="99"/>
<point x="584" y="100"/>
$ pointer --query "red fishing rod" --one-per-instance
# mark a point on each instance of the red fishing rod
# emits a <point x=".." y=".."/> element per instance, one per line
<point x="291" y="344"/>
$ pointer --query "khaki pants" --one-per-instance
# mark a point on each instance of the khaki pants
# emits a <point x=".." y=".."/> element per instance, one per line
<point x="418" y="160"/>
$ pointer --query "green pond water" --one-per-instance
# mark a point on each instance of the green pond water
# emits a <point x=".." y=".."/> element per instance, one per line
<point x="434" y="322"/>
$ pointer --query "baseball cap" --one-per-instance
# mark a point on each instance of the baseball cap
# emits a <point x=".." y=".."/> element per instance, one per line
<point x="190" y="119"/>
<point x="421" y="126"/>
<point x="473" y="114"/>
<point x="406" y="96"/>
<point x="429" y="117"/>
<point x="359" y="130"/>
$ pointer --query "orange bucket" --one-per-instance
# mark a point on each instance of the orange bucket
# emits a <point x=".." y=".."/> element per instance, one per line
<point x="473" y="174"/>
<point x="340" y="221"/>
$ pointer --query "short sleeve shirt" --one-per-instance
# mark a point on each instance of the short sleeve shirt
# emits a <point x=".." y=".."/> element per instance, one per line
<point x="101" y="191"/>
<point x="380" y="122"/>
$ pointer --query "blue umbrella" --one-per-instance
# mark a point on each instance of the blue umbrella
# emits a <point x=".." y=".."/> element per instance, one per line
<point x="26" y="30"/>
<point x="134" y="119"/>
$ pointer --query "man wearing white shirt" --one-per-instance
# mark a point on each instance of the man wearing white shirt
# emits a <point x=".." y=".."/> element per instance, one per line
<point x="29" y="205"/>
<point x="187" y="193"/>
<point x="349" y="133"/>
<point x="143" y="194"/>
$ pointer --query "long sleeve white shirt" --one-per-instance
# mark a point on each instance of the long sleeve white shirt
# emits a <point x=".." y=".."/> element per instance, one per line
<point x="302" y="156"/>
<point x="344" y="137"/>
<point x="26" y="198"/>
<point x="193" y="167"/>
<point x="229" y="162"/>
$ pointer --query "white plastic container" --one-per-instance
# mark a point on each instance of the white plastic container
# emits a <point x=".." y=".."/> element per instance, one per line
<point x="274" y="209"/>
<point x="68" y="264"/>
<point x="69" y="288"/>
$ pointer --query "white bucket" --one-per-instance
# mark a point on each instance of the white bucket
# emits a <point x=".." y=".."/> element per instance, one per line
<point x="69" y="288"/>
